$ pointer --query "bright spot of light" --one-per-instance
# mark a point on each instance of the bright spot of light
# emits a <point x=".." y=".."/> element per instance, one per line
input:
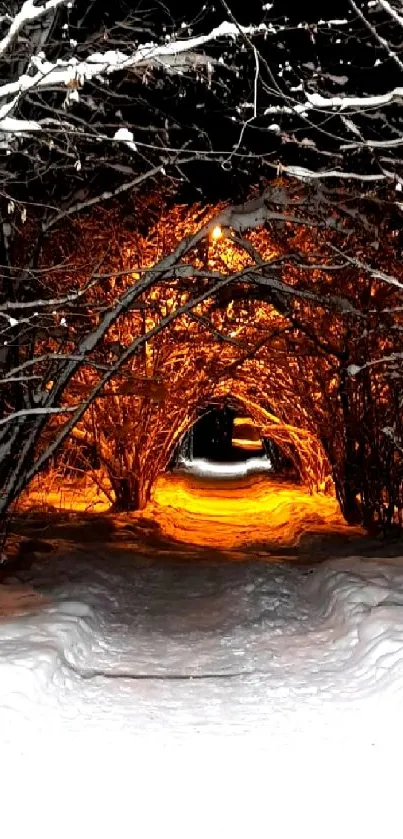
<point x="202" y="467"/>
<point x="216" y="232"/>
<point x="251" y="445"/>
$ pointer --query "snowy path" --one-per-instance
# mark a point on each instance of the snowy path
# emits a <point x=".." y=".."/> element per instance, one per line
<point x="298" y="687"/>
<point x="265" y="643"/>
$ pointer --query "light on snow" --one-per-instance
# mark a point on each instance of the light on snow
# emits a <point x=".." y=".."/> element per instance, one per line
<point x="200" y="466"/>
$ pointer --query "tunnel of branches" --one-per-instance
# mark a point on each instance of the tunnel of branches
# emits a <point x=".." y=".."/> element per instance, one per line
<point x="282" y="341"/>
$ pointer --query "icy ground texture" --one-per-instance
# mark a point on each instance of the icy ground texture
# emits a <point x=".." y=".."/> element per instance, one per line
<point x="301" y="733"/>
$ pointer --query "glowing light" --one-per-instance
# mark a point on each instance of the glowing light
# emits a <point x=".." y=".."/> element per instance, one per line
<point x="216" y="232"/>
<point x="247" y="445"/>
<point x="201" y="467"/>
<point x="246" y="435"/>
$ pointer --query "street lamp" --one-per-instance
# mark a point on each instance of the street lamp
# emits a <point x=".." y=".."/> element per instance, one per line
<point x="216" y="232"/>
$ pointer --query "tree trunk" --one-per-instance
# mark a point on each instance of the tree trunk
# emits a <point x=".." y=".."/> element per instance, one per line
<point x="185" y="449"/>
<point x="131" y="493"/>
<point x="348" y="489"/>
<point x="348" y="502"/>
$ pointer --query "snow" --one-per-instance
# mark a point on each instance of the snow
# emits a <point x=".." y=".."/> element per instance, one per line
<point x="29" y="11"/>
<point x="160" y="691"/>
<point x="24" y="412"/>
<point x="302" y="173"/>
<point x="201" y="466"/>
<point x="319" y="656"/>
<point x="318" y="101"/>
<point x="127" y="137"/>
<point x="73" y="74"/>
<point x="335" y="22"/>
<point x="341" y="103"/>
<point x="393" y="13"/>
<point x="69" y="72"/>
<point x="18" y="126"/>
<point x="353" y="369"/>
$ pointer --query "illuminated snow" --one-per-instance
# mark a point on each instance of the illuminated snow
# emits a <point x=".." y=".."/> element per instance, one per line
<point x="200" y="466"/>
<point x="289" y="726"/>
<point x="206" y="505"/>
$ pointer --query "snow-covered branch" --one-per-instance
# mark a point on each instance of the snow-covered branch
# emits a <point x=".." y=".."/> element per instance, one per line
<point x="34" y="412"/>
<point x="354" y="369"/>
<point x="72" y="74"/>
<point x="341" y="103"/>
<point x="29" y="12"/>
<point x="391" y="11"/>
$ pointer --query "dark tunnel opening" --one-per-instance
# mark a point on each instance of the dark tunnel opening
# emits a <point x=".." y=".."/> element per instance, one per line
<point x="223" y="434"/>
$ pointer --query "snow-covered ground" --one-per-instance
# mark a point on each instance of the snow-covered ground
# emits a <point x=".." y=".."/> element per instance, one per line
<point x="156" y="695"/>
<point x="236" y="505"/>
<point x="202" y="467"/>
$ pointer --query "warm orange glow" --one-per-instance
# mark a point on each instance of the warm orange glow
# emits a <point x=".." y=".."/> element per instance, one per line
<point x="141" y="415"/>
<point x="78" y="496"/>
<point x="248" y="445"/>
<point x="247" y="511"/>
<point x="235" y="345"/>
<point x="246" y="435"/>
<point x="217" y="512"/>
<point x="216" y="233"/>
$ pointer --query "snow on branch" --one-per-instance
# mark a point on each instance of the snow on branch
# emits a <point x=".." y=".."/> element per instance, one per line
<point x="304" y="174"/>
<point x="342" y="103"/>
<point x="29" y="12"/>
<point x="376" y="273"/>
<point x="25" y="412"/>
<point x="71" y="73"/>
<point x="354" y="369"/>
<point x="315" y="100"/>
<point x="391" y="11"/>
